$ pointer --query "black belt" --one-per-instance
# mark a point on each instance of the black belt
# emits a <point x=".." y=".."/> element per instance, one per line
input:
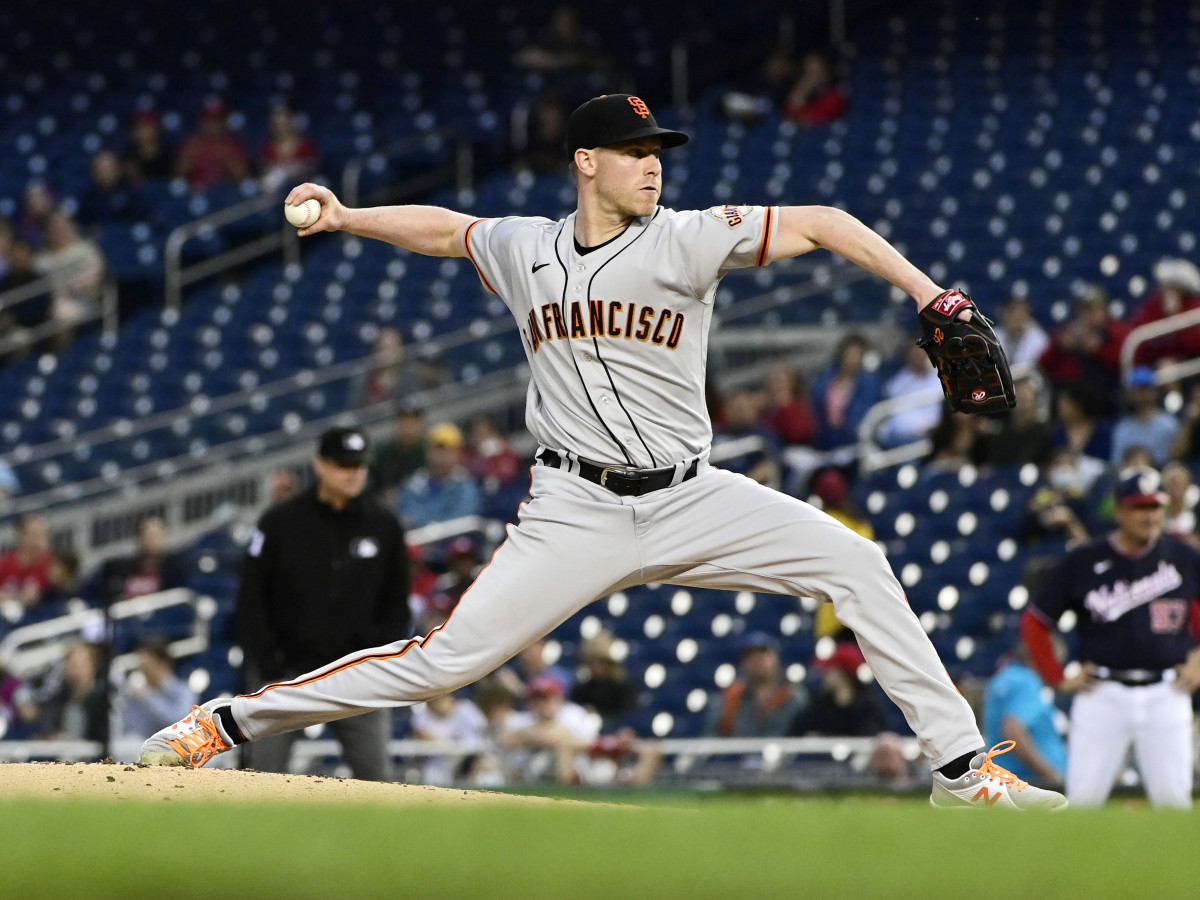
<point x="1134" y="677"/>
<point x="622" y="481"/>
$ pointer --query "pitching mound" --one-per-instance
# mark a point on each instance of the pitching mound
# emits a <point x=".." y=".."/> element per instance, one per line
<point x="118" y="781"/>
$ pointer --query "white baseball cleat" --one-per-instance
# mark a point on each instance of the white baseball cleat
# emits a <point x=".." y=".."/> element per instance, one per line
<point x="989" y="784"/>
<point x="192" y="741"/>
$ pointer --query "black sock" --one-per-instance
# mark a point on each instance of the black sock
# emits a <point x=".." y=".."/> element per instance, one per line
<point x="957" y="768"/>
<point x="225" y="714"/>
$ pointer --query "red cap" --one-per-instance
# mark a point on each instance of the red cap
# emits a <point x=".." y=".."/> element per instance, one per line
<point x="846" y="656"/>
<point x="547" y="686"/>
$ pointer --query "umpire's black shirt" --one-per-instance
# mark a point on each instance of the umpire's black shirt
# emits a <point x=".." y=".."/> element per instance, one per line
<point x="318" y="584"/>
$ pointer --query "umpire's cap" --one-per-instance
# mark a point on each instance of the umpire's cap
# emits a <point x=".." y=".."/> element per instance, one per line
<point x="344" y="446"/>
<point x="612" y="118"/>
<point x="1139" y="486"/>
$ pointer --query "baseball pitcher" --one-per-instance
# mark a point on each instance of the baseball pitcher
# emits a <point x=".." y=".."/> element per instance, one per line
<point x="613" y="304"/>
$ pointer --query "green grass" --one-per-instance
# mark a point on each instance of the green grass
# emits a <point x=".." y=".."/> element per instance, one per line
<point x="726" y="848"/>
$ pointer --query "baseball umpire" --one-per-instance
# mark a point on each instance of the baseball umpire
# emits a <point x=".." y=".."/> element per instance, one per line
<point x="325" y="573"/>
<point x="613" y="304"/>
<point x="1136" y="595"/>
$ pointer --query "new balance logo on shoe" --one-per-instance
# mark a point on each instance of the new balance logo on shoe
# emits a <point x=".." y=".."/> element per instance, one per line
<point x="984" y="796"/>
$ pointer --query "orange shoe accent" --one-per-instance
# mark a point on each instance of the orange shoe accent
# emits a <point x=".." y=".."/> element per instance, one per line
<point x="990" y="769"/>
<point x="201" y="743"/>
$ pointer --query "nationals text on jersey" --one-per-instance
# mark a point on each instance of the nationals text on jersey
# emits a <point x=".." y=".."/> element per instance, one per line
<point x="1109" y="602"/>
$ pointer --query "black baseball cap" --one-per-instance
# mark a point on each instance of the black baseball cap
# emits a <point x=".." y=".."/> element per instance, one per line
<point x="612" y="118"/>
<point x="344" y="446"/>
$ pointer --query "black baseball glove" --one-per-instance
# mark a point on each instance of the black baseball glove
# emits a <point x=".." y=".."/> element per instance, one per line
<point x="968" y="357"/>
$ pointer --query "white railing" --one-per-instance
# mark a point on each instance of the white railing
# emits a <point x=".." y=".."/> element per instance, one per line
<point x="31" y="648"/>
<point x="105" y="311"/>
<point x="176" y="276"/>
<point x="1169" y="372"/>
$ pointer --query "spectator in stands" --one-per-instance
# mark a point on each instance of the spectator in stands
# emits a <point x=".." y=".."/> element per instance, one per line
<point x="1146" y="423"/>
<point x="603" y="685"/>
<point x="767" y="91"/>
<point x="842" y="393"/>
<point x="393" y="374"/>
<point x="832" y="489"/>
<point x="491" y="459"/>
<point x="70" y="704"/>
<point x="282" y="485"/>
<point x="761" y="702"/>
<point x="1022" y="436"/>
<point x="787" y="410"/>
<point x="325" y="572"/>
<point x="1178" y="291"/>
<point x="153" y="696"/>
<point x="110" y="197"/>
<point x="1016" y="708"/>
<point x="1058" y="508"/>
<point x="550" y="740"/>
<point x="443" y="489"/>
<point x="452" y="719"/>
<point x="1087" y="348"/>
<point x="1024" y="340"/>
<point x="396" y="459"/>
<point x="1181" y="502"/>
<point x="64" y="579"/>
<point x="212" y="155"/>
<point x="10" y="713"/>
<point x="148" y="153"/>
<point x="8" y="235"/>
<point x="529" y="665"/>
<point x="75" y="267"/>
<point x="462" y="565"/>
<point x="10" y="485"/>
<point x="815" y="98"/>
<point x="25" y="569"/>
<point x="757" y="456"/>
<point x="287" y="156"/>
<point x="843" y="705"/>
<point x="17" y="320"/>
<point x="149" y="569"/>
<point x="955" y="442"/>
<point x="37" y="205"/>
<point x="1082" y="426"/>
<point x="573" y="55"/>
<point x="545" y="132"/>
<point x="916" y="376"/>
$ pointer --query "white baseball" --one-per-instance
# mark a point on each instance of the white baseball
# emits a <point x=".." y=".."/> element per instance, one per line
<point x="302" y="214"/>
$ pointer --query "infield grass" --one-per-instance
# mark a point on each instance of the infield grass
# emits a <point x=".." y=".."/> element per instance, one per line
<point x="685" y="848"/>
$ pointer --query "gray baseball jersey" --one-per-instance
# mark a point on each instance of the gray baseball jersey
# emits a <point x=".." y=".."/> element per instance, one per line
<point x="617" y="338"/>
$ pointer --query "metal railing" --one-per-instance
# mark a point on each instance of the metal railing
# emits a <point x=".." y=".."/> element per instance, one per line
<point x="460" y="170"/>
<point x="105" y="311"/>
<point x="1143" y="334"/>
<point x="176" y="276"/>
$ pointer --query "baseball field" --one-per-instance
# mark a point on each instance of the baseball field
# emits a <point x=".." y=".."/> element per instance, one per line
<point x="307" y="838"/>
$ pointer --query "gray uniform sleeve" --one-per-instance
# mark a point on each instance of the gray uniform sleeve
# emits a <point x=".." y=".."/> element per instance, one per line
<point x="495" y="248"/>
<point x="722" y="238"/>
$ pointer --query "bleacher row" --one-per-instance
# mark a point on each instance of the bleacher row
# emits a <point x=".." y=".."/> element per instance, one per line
<point x="1010" y="148"/>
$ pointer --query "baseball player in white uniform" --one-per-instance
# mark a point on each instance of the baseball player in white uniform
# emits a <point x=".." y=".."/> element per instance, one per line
<point x="614" y="304"/>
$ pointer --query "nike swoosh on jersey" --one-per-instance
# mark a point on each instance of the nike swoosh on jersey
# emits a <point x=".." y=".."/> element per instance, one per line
<point x="537" y="266"/>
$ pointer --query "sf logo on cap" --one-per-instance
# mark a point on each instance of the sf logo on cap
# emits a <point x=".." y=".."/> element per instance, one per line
<point x="639" y="107"/>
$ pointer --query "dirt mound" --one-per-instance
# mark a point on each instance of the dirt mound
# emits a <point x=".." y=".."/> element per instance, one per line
<point x="119" y="781"/>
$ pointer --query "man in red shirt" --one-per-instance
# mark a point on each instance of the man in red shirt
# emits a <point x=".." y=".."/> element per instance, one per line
<point x="25" y="569"/>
